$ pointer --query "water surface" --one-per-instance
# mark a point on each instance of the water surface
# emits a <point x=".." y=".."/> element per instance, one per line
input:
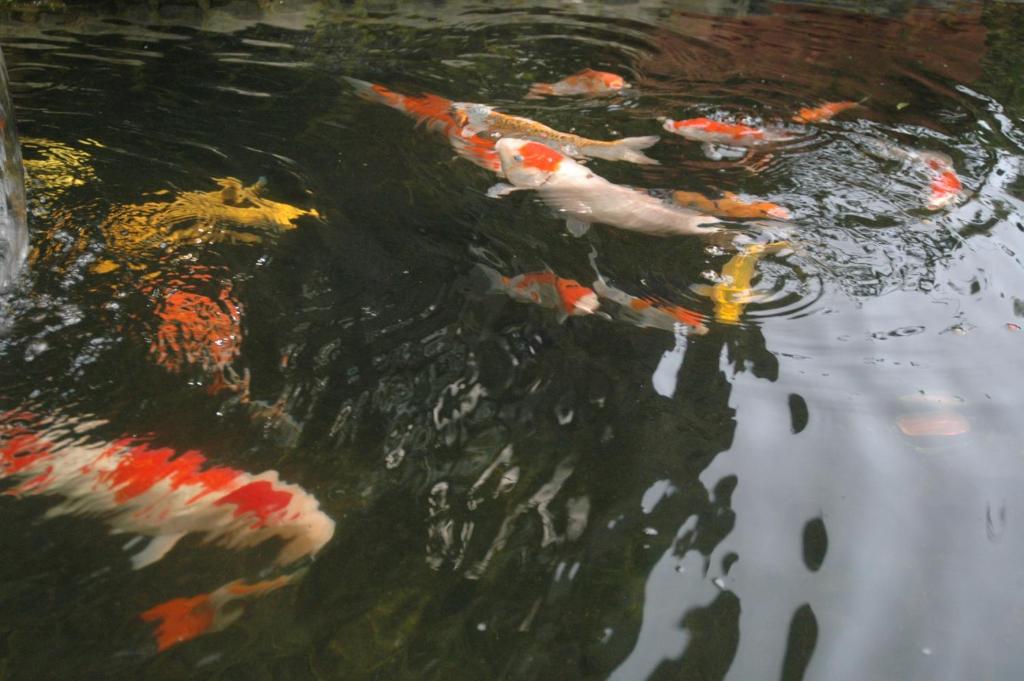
<point x="825" y="489"/>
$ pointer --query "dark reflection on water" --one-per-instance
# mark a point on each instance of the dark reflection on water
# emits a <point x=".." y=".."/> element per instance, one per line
<point x="820" y="487"/>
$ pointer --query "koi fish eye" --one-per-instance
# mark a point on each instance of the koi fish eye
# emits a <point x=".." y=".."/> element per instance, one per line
<point x="518" y="158"/>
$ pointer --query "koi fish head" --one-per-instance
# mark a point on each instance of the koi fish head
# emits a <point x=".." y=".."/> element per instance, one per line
<point x="577" y="299"/>
<point x="471" y="117"/>
<point x="527" y="164"/>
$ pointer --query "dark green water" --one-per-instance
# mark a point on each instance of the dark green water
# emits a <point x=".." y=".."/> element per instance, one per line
<point x="515" y="497"/>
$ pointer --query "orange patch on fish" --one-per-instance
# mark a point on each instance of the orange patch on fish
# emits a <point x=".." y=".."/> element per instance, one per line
<point x="939" y="424"/>
<point x="180" y="620"/>
<point x="571" y="292"/>
<point x="822" y="113"/>
<point x="734" y="130"/>
<point x="540" y="156"/>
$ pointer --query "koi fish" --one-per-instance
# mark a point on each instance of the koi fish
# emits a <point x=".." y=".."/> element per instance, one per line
<point x="735" y="292"/>
<point x="585" y="198"/>
<point x="822" y="113"/>
<point x="647" y="312"/>
<point x="710" y="131"/>
<point x="183" y="619"/>
<point x="546" y="289"/>
<point x="158" y="492"/>
<point x="586" y="82"/>
<point x="944" y="185"/>
<point x="480" y="119"/>
<point x="199" y="330"/>
<point x="730" y="206"/>
<point x="435" y="113"/>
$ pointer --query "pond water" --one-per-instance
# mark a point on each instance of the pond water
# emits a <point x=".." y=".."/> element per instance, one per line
<point x="234" y="255"/>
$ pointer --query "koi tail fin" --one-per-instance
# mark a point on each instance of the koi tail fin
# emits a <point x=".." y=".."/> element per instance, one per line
<point x="490" y="278"/>
<point x="626" y="149"/>
<point x="372" y="92"/>
<point x="540" y="90"/>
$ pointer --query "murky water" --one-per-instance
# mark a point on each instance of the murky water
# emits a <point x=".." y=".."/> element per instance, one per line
<point x="235" y="256"/>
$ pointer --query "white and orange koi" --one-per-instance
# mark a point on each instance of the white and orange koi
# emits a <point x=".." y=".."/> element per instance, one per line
<point x="435" y="113"/>
<point x="710" y="131"/>
<point x="645" y="311"/>
<point x="586" y="82"/>
<point x="157" y="492"/>
<point x="730" y="206"/>
<point x="567" y="296"/>
<point x="583" y="198"/>
<point x="480" y="119"/>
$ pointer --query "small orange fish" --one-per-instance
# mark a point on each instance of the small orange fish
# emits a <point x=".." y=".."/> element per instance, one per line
<point x="717" y="132"/>
<point x="183" y="619"/>
<point x="436" y="114"/>
<point x="567" y="296"/>
<point x="730" y="206"/>
<point x="586" y="82"/>
<point x="824" y="112"/>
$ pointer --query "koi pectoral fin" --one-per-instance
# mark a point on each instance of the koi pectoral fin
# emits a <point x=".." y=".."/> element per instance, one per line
<point x="502" y="189"/>
<point x="157" y="548"/>
<point x="577" y="227"/>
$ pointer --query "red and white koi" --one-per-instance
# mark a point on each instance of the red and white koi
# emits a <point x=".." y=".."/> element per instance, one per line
<point x="157" y="492"/>
<point x="569" y="297"/>
<point x="586" y="82"/>
<point x="480" y="119"/>
<point x="710" y="131"/>
<point x="944" y="185"/>
<point x="583" y="198"/>
<point x="435" y="113"/>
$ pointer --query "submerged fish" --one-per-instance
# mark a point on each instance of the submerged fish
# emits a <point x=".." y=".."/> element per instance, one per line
<point x="822" y="113"/>
<point x="586" y="82"/>
<point x="480" y="119"/>
<point x="735" y="291"/>
<point x="165" y="495"/>
<point x="934" y="424"/>
<point x="944" y="186"/>
<point x="584" y="198"/>
<point x="157" y="492"/>
<point x="195" y="329"/>
<point x="730" y="206"/>
<point x="647" y="312"/>
<point x="567" y="296"/>
<point x="436" y="114"/>
<point x="710" y="131"/>
<point x="183" y="619"/>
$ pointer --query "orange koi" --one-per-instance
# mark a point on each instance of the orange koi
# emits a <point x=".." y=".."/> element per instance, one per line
<point x="435" y="113"/>
<point x="822" y="113"/>
<point x="586" y="82"/>
<point x="567" y="296"/>
<point x="183" y="619"/>
<point x="730" y="206"/>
